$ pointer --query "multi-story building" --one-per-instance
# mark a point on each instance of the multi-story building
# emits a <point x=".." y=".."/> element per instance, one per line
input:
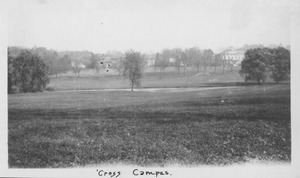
<point x="233" y="56"/>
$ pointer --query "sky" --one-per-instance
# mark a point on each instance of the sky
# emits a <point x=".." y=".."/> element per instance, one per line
<point x="147" y="25"/>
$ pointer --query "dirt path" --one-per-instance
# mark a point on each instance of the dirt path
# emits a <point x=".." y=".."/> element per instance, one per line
<point x="188" y="89"/>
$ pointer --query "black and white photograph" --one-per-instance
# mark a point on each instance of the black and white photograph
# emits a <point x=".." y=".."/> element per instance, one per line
<point x="148" y="88"/>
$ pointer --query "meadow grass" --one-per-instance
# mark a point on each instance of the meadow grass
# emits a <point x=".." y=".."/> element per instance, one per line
<point x="151" y="79"/>
<point x="208" y="127"/>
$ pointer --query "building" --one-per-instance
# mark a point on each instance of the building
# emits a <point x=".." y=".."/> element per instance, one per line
<point x="150" y="59"/>
<point x="77" y="65"/>
<point x="233" y="56"/>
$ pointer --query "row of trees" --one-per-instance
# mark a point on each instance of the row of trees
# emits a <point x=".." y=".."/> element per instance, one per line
<point x="28" y="70"/>
<point x="259" y="63"/>
<point x="56" y="62"/>
<point x="61" y="62"/>
<point x="191" y="57"/>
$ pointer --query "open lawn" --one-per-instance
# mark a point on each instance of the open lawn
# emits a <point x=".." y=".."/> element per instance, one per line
<point x="84" y="128"/>
<point x="89" y="80"/>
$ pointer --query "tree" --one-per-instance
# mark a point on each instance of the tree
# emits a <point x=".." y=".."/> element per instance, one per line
<point x="166" y="54"/>
<point x="255" y="64"/>
<point x="184" y="60"/>
<point x="77" y="66"/>
<point x="194" y="56"/>
<point x="60" y="65"/>
<point x="10" y="78"/>
<point x="93" y="61"/>
<point x="63" y="64"/>
<point x="28" y="72"/>
<point x="280" y="64"/>
<point x="96" y="62"/>
<point x="161" y="61"/>
<point x="177" y="54"/>
<point x="208" y="56"/>
<point x="133" y="68"/>
<point x="118" y="65"/>
<point x="217" y="61"/>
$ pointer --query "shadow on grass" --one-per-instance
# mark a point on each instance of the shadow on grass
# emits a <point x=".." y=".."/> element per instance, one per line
<point x="216" y="130"/>
<point x="271" y="108"/>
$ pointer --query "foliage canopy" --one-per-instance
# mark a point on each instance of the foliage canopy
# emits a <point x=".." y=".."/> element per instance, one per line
<point x="133" y="68"/>
<point x="27" y="72"/>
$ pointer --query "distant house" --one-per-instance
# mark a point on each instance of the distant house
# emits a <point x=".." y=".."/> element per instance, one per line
<point x="110" y="60"/>
<point x="150" y="59"/>
<point x="78" y="65"/>
<point x="233" y="56"/>
<point x="172" y="60"/>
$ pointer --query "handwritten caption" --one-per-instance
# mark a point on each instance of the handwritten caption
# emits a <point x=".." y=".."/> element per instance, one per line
<point x="135" y="172"/>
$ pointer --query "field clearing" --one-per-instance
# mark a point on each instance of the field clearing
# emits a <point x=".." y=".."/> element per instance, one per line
<point x="89" y="80"/>
<point x="220" y="126"/>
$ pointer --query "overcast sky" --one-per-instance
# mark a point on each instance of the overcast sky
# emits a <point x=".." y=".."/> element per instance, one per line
<point x="147" y="25"/>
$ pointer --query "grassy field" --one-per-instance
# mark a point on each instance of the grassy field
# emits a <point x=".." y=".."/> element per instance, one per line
<point x="83" y="128"/>
<point x="89" y="80"/>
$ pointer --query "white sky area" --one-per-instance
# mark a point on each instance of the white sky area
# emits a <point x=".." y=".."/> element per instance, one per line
<point x="147" y="25"/>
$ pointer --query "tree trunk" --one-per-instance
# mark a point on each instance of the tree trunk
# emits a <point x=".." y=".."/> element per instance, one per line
<point x="258" y="81"/>
<point x="160" y="73"/>
<point x="215" y="69"/>
<point x="223" y="68"/>
<point x="197" y="68"/>
<point x="132" y="84"/>
<point x="204" y="70"/>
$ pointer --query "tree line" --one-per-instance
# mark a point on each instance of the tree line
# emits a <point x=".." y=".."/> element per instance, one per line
<point x="64" y="61"/>
<point x="29" y="69"/>
<point x="191" y="57"/>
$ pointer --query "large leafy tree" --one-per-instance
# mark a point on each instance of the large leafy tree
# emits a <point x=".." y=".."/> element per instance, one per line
<point x="280" y="64"/>
<point x="255" y="64"/>
<point x="133" y="68"/>
<point x="27" y="72"/>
